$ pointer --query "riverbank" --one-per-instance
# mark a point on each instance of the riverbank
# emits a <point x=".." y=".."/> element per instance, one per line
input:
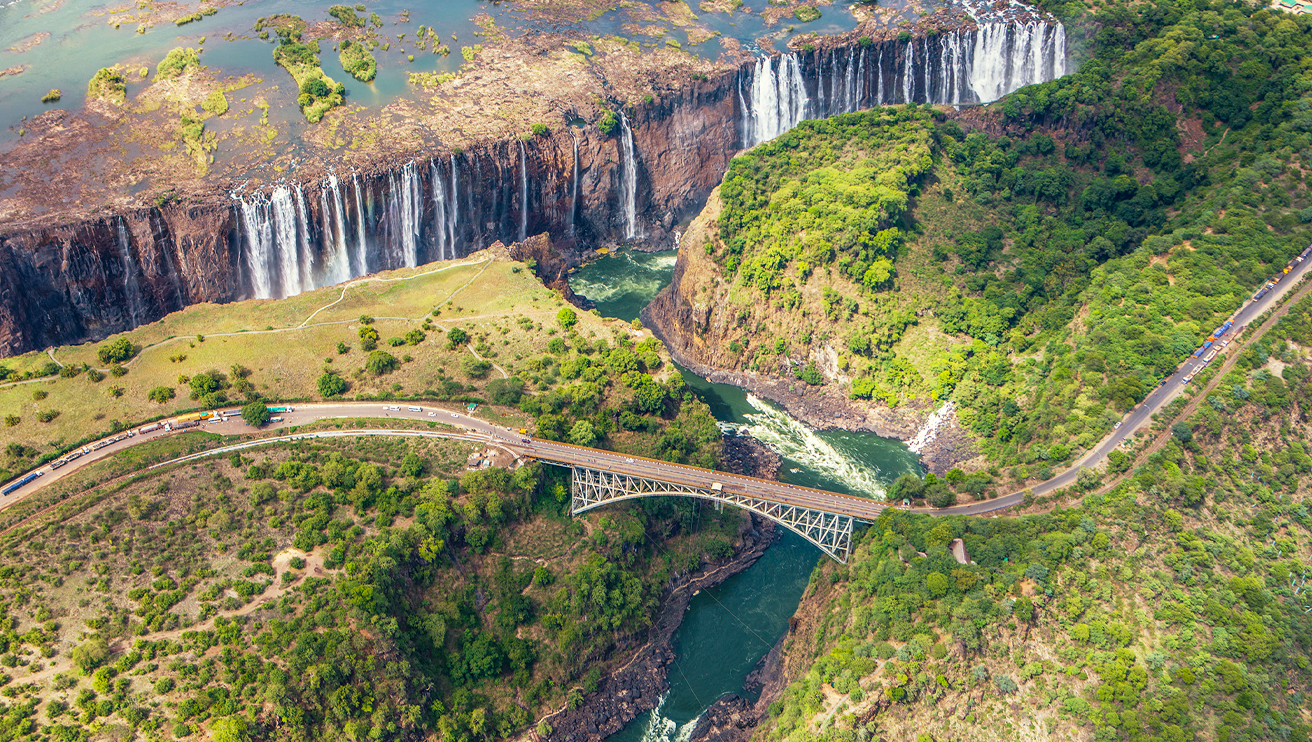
<point x="637" y="685"/>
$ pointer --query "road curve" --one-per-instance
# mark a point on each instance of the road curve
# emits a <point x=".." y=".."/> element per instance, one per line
<point x="463" y="427"/>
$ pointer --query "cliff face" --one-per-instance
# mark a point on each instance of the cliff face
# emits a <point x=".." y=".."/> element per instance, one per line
<point x="110" y="273"/>
<point x="83" y="280"/>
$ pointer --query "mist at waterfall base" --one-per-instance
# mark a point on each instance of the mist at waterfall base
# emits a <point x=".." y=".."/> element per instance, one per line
<point x="729" y="628"/>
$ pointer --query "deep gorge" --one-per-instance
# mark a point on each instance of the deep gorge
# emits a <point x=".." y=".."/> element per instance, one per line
<point x="85" y="280"/>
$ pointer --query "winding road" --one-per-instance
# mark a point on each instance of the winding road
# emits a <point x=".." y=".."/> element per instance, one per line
<point x="455" y="425"/>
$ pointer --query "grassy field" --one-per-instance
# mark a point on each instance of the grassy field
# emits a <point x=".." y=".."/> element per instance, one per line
<point x="288" y="344"/>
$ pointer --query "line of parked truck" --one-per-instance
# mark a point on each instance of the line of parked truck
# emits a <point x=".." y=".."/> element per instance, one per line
<point x="1214" y="342"/>
<point x="182" y="422"/>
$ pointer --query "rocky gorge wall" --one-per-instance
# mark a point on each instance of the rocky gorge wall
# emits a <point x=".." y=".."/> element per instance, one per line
<point x="74" y="282"/>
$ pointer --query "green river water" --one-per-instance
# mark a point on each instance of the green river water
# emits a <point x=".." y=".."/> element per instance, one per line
<point x="729" y="628"/>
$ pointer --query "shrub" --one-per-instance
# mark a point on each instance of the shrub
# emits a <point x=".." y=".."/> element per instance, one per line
<point x="53" y="96"/>
<point x="381" y="362"/>
<point x="118" y="351"/>
<point x="90" y="655"/>
<point x="46" y="416"/>
<point x="505" y="391"/>
<point x="540" y="130"/>
<point x="12" y="420"/>
<point x="456" y="338"/>
<point x="177" y="62"/>
<point x="566" y="318"/>
<point x="608" y="123"/>
<point x="331" y="385"/>
<point x="94" y="376"/>
<point x="346" y="16"/>
<point x="216" y="103"/>
<point x="368" y="338"/>
<point x="475" y="368"/>
<point x="415" y="337"/>
<point x="806" y="14"/>
<point x="357" y="61"/>
<point x="40" y="394"/>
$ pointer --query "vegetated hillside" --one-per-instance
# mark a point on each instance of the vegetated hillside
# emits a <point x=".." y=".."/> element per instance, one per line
<point x="361" y="589"/>
<point x="1044" y="280"/>
<point x="1170" y="608"/>
<point x="482" y="331"/>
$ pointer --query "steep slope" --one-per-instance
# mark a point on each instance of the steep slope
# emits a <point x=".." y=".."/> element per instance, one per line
<point x="1055" y="255"/>
<point x="1170" y="608"/>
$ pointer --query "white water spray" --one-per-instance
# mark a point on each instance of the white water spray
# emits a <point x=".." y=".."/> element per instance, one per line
<point x="259" y="243"/>
<point x="361" y="244"/>
<point x="303" y="232"/>
<point x="523" y="191"/>
<point x="341" y="261"/>
<point x="629" y="184"/>
<point x="285" y="240"/>
<point x="791" y="439"/>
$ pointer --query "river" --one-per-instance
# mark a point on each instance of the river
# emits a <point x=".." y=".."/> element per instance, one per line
<point x="729" y="628"/>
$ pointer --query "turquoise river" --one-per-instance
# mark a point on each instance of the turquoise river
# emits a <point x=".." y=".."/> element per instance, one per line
<point x="729" y="628"/>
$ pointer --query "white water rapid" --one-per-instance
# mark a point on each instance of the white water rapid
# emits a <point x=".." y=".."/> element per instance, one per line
<point x="793" y="440"/>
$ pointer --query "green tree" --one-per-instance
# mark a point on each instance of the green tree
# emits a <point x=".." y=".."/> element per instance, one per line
<point x="381" y="362"/>
<point x="161" y="394"/>
<point x="938" y="584"/>
<point x="566" y="318"/>
<point x="505" y="391"/>
<point x="1183" y="431"/>
<point x="230" y="729"/>
<point x="117" y="351"/>
<point x="331" y="385"/>
<point x="368" y="338"/>
<point x="456" y="338"/>
<point x="256" y="414"/>
<point x="475" y="368"/>
<point x="582" y="434"/>
<point x="90" y="654"/>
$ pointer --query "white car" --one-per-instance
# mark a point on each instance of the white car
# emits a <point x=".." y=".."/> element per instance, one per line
<point x="454" y="415"/>
<point x="1117" y="426"/>
<point x="432" y="414"/>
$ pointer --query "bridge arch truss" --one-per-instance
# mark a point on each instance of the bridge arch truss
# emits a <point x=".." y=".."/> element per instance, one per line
<point x="830" y="532"/>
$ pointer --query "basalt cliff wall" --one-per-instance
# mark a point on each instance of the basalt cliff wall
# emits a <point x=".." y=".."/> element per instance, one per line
<point x="75" y="279"/>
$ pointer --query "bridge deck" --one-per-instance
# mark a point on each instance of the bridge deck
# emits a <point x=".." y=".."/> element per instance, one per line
<point x="859" y="508"/>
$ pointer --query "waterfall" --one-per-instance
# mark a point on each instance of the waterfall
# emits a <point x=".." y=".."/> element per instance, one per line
<point x="908" y="70"/>
<point x="439" y="209"/>
<point x="361" y="244"/>
<point x="523" y="191"/>
<point x="131" y="289"/>
<point x="412" y="194"/>
<point x="454" y="220"/>
<point x="629" y="163"/>
<point x="340" y="263"/>
<point x="1005" y="50"/>
<point x="779" y="99"/>
<point x="574" y="189"/>
<point x="303" y="224"/>
<point x="285" y="240"/>
<point x="259" y="242"/>
<point x="879" y="72"/>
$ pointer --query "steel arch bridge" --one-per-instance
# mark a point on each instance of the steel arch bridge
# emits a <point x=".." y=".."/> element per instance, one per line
<point x="830" y="532"/>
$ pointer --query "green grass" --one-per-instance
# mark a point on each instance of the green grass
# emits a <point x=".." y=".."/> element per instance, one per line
<point x="286" y="359"/>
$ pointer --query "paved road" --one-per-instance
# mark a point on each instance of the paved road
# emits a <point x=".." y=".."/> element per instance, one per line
<point x="532" y="448"/>
<point x="1142" y="414"/>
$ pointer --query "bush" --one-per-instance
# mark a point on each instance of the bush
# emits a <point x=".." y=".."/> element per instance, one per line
<point x="116" y="352"/>
<point x="566" y="318"/>
<point x="381" y="362"/>
<point x="456" y="338"/>
<point x="331" y="385"/>
<point x="216" y="103"/>
<point x="46" y="416"/>
<point x="53" y="96"/>
<point x="40" y="394"/>
<point x="540" y="130"/>
<point x="608" y="123"/>
<point x="357" y="61"/>
<point x="505" y="391"/>
<point x="90" y="655"/>
<point x="368" y="338"/>
<point x="176" y="62"/>
<point x="806" y="14"/>
<point x="256" y="414"/>
<point x="161" y="394"/>
<point x="475" y="368"/>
